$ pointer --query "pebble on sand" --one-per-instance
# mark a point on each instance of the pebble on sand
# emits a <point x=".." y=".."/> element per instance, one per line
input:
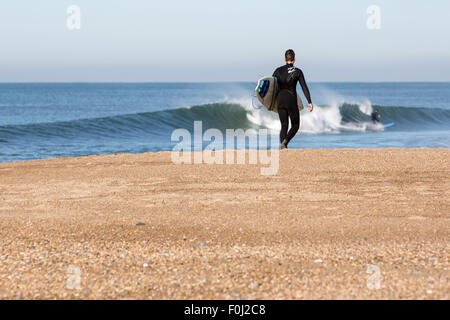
<point x="201" y="245"/>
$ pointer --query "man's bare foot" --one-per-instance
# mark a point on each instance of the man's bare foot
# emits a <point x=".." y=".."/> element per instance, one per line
<point x="284" y="144"/>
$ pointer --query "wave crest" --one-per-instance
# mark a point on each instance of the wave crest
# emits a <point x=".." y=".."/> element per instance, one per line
<point x="334" y="118"/>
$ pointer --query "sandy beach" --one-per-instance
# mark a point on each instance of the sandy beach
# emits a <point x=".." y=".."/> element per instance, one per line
<point x="332" y="224"/>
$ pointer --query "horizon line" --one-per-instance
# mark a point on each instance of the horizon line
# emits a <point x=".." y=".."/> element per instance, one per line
<point x="203" y="82"/>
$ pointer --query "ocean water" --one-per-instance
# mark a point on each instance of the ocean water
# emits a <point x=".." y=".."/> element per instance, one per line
<point x="46" y="120"/>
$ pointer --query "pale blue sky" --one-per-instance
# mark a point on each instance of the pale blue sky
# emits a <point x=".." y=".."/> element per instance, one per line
<point x="232" y="40"/>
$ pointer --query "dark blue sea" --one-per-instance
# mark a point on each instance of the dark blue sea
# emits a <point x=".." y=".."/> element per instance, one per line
<point x="45" y="120"/>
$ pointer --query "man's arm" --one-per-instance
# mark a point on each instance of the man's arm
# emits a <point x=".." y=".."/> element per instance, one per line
<point x="305" y="90"/>
<point x="304" y="87"/>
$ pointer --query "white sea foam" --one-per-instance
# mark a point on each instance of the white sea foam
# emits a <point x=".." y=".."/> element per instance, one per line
<point x="324" y="119"/>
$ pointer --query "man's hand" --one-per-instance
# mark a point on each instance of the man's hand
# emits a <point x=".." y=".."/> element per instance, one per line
<point x="310" y="107"/>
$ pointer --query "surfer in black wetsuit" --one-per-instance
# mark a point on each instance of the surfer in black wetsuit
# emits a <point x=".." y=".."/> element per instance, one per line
<point x="287" y="77"/>
<point x="376" y="116"/>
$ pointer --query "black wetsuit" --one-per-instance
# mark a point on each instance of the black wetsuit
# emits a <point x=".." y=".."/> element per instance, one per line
<point x="375" y="117"/>
<point x="287" y="77"/>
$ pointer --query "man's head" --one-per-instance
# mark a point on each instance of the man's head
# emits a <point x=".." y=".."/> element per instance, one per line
<point x="289" y="56"/>
<point x="377" y="110"/>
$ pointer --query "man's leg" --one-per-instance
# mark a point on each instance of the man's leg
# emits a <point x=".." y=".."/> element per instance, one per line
<point x="284" y="119"/>
<point x="294" y="115"/>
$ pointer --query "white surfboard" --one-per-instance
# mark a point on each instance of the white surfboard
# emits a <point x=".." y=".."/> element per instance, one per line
<point x="267" y="92"/>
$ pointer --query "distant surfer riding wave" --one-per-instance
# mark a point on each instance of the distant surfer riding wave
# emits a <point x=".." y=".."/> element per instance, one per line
<point x="376" y="116"/>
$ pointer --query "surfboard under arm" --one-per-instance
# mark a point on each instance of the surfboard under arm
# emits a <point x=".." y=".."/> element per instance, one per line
<point x="267" y="92"/>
